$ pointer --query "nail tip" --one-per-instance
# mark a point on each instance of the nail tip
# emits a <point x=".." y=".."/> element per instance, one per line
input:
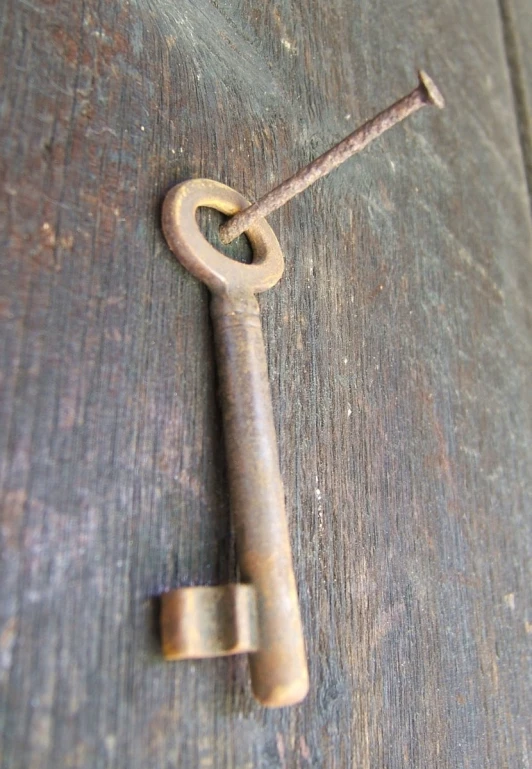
<point x="434" y="95"/>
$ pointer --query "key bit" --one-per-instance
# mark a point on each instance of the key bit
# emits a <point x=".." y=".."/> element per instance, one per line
<point x="261" y="615"/>
<point x="209" y="621"/>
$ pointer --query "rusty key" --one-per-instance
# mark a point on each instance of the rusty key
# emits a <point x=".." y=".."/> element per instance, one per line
<point x="260" y="615"/>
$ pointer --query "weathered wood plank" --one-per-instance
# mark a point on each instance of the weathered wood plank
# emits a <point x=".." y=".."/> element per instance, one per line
<point x="400" y="356"/>
<point x="517" y="29"/>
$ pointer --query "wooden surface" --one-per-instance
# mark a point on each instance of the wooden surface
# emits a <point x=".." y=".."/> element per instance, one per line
<point x="516" y="17"/>
<point x="400" y="354"/>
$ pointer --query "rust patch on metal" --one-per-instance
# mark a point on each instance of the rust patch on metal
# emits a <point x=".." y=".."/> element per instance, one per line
<point x="209" y="621"/>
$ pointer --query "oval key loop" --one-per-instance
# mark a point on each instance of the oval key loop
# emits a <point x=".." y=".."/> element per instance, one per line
<point x="221" y="273"/>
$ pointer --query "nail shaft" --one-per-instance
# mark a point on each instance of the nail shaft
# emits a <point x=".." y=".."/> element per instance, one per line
<point x="426" y="93"/>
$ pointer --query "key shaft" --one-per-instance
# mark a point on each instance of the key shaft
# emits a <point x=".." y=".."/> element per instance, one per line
<point x="278" y="668"/>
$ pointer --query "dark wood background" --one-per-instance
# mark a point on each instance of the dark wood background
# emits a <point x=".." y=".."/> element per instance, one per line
<point x="400" y="354"/>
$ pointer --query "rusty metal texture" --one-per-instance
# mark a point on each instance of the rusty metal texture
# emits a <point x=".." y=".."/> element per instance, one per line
<point x="209" y="621"/>
<point x="426" y="93"/>
<point x="278" y="665"/>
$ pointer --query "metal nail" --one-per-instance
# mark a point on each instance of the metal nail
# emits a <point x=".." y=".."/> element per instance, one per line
<point x="426" y="93"/>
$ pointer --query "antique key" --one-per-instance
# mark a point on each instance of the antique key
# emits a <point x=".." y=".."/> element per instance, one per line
<point x="260" y="615"/>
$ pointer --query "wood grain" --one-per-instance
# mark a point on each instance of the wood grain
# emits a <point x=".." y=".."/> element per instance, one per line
<point x="400" y="354"/>
<point x="516" y="17"/>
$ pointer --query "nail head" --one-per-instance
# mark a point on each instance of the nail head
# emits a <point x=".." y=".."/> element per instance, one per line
<point x="432" y="91"/>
